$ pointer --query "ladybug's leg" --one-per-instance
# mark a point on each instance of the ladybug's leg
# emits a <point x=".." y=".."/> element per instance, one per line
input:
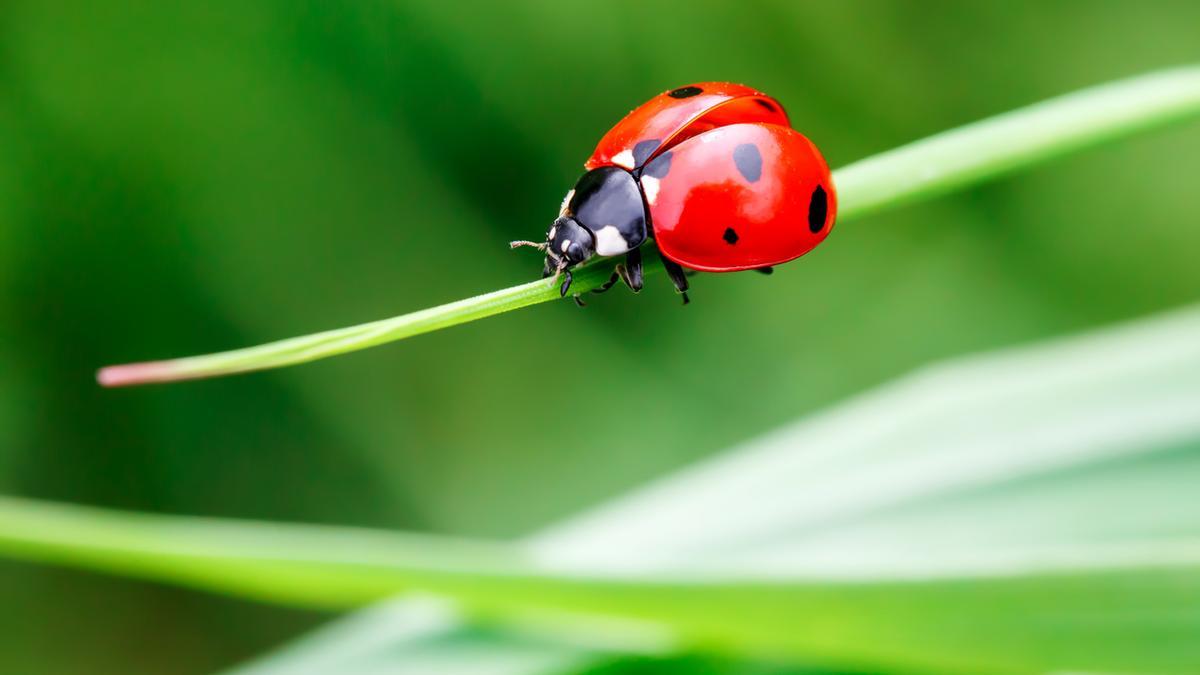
<point x="765" y="270"/>
<point x="631" y="273"/>
<point x="678" y="277"/>
<point x="566" y="284"/>
<point x="608" y="284"/>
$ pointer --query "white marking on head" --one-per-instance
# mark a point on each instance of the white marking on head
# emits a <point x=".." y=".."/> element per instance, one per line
<point x="624" y="159"/>
<point x="562" y="210"/>
<point x="610" y="242"/>
<point x="650" y="187"/>
<point x="553" y="231"/>
<point x="565" y="245"/>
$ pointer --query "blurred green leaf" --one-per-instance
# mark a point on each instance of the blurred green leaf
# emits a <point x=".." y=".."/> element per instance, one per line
<point x="932" y="166"/>
<point x="418" y="636"/>
<point x="1023" y="511"/>
<point x="1081" y="606"/>
<point x="1060" y="452"/>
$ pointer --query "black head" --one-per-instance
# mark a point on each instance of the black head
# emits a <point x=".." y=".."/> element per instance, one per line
<point x="567" y="244"/>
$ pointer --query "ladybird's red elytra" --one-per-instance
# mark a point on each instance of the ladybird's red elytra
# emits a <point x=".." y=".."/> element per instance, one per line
<point x="713" y="172"/>
<point x="686" y="111"/>
<point x="757" y="180"/>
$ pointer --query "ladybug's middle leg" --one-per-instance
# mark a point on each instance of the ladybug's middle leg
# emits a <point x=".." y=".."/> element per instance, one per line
<point x="678" y="276"/>
<point x="631" y="273"/>
<point x="612" y="281"/>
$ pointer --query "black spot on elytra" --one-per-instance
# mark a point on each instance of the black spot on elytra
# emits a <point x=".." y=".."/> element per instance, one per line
<point x="659" y="166"/>
<point x="818" y="208"/>
<point x="643" y="150"/>
<point x="765" y="103"/>
<point x="730" y="236"/>
<point x="748" y="160"/>
<point x="684" y="92"/>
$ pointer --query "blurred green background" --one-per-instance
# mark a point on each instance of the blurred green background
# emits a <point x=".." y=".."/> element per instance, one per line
<point x="182" y="178"/>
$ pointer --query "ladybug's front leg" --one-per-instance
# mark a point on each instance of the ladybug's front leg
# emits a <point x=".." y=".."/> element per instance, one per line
<point x="566" y="287"/>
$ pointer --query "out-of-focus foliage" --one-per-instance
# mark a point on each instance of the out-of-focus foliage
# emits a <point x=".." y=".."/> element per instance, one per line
<point x="1023" y="512"/>
<point x="184" y="178"/>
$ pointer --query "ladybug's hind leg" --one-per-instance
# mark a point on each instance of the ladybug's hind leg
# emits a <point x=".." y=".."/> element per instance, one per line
<point x="678" y="277"/>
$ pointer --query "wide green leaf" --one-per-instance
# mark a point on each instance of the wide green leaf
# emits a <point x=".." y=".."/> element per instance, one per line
<point x="1062" y="471"/>
<point x="1064" y="607"/>
<point x="1023" y="511"/>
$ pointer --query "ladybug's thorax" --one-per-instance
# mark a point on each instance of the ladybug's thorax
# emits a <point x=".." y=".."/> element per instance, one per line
<point x="608" y="203"/>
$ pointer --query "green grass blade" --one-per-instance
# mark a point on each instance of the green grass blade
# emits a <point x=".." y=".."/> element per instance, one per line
<point x="1005" y="143"/>
<point x="932" y="166"/>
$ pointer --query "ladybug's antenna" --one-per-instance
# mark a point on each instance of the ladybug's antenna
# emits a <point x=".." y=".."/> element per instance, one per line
<point x="518" y="244"/>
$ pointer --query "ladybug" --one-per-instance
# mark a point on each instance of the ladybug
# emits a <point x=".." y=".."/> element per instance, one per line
<point x="712" y="172"/>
